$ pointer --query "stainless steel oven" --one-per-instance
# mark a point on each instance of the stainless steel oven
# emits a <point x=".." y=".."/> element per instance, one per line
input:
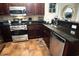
<point x="19" y="32"/>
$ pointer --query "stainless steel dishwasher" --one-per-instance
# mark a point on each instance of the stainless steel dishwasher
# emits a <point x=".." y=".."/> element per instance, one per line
<point x="57" y="44"/>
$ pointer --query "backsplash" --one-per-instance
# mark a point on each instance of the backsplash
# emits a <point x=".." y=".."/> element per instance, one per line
<point x="67" y="24"/>
<point x="70" y="28"/>
<point x="34" y="18"/>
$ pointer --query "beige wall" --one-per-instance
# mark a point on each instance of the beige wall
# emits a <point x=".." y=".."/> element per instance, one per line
<point x="77" y="18"/>
<point x="34" y="17"/>
<point x="60" y="9"/>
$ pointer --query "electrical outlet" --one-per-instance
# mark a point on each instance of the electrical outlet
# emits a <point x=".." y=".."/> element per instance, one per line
<point x="72" y="32"/>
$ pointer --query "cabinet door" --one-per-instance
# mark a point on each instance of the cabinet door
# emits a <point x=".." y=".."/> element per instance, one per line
<point x="30" y="7"/>
<point x="4" y="9"/>
<point x="34" y="31"/>
<point x="1" y="39"/>
<point x="35" y="8"/>
<point x="39" y="9"/>
<point x="6" y="34"/>
<point x="71" y="49"/>
<point x="56" y="46"/>
<point x="46" y="35"/>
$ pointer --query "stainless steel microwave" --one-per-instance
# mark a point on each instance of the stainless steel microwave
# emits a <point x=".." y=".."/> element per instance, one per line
<point x="17" y="11"/>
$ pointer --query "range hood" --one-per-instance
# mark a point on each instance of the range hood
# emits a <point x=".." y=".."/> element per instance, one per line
<point x="17" y="11"/>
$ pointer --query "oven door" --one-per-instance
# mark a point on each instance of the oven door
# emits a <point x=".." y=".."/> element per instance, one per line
<point x="19" y="35"/>
<point x="18" y="32"/>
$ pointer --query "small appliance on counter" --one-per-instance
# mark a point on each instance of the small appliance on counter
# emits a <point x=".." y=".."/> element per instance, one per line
<point x="54" y="22"/>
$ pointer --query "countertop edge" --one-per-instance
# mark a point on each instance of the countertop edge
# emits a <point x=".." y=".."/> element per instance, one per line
<point x="66" y="36"/>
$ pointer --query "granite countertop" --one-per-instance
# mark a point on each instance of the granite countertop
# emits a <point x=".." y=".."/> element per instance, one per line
<point x="68" y="38"/>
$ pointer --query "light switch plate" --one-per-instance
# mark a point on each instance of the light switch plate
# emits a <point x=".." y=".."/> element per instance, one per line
<point x="74" y="26"/>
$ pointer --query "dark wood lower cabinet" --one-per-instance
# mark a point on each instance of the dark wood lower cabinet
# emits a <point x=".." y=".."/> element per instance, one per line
<point x="71" y="49"/>
<point x="75" y="49"/>
<point x="34" y="34"/>
<point x="34" y="31"/>
<point x="6" y="34"/>
<point x="39" y="31"/>
<point x="46" y="36"/>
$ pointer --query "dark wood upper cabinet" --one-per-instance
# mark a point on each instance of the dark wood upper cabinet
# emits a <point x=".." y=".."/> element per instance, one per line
<point x="32" y="8"/>
<point x="39" y="9"/>
<point x="4" y="9"/>
<point x="35" y="9"/>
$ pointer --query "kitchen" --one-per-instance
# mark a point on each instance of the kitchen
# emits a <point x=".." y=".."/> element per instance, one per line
<point x="39" y="29"/>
